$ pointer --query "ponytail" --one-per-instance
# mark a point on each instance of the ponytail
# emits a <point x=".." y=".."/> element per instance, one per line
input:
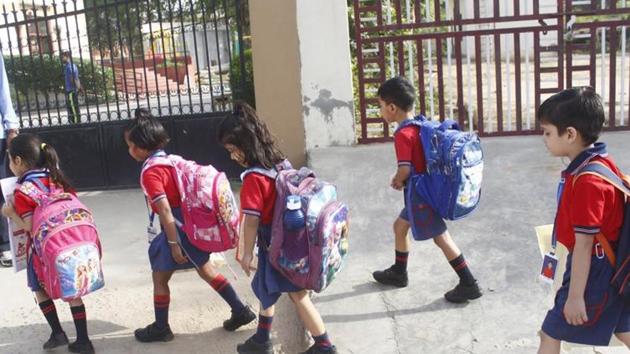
<point x="50" y="161"/>
<point x="36" y="154"/>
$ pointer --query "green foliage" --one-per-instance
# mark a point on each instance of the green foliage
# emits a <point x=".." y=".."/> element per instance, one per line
<point x="243" y="85"/>
<point x="40" y="76"/>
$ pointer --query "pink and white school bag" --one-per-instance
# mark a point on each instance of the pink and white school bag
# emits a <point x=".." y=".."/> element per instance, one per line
<point x="66" y="241"/>
<point x="211" y="215"/>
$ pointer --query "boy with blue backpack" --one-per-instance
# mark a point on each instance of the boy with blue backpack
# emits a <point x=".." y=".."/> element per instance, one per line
<point x="592" y="302"/>
<point x="396" y="97"/>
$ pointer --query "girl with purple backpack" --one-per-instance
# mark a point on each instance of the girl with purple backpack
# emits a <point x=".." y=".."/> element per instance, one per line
<point x="250" y="144"/>
<point x="36" y="162"/>
<point x="170" y="248"/>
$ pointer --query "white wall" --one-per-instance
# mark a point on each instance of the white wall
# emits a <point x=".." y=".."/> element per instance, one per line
<point x="326" y="74"/>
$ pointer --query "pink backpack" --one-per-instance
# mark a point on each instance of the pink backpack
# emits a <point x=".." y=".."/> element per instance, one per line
<point x="65" y="240"/>
<point x="311" y="256"/>
<point x="211" y="215"/>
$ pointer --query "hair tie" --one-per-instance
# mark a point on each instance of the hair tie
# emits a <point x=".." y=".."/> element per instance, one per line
<point x="42" y="146"/>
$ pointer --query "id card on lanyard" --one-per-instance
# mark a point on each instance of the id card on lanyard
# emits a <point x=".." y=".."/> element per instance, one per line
<point x="550" y="261"/>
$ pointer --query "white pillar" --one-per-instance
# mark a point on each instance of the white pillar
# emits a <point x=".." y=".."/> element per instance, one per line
<point x="303" y="73"/>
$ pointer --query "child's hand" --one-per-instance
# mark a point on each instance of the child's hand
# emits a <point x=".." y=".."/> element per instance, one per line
<point x="246" y="263"/>
<point x="575" y="311"/>
<point x="8" y="210"/>
<point x="178" y="256"/>
<point x="397" y="185"/>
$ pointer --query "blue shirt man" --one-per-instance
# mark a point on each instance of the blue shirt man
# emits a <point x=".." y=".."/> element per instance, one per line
<point x="73" y="86"/>
<point x="8" y="130"/>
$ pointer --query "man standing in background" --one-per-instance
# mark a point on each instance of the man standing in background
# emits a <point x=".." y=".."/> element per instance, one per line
<point x="8" y="131"/>
<point x="73" y="86"/>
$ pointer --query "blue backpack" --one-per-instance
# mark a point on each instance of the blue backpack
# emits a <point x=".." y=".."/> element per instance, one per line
<point x="452" y="182"/>
<point x="619" y="259"/>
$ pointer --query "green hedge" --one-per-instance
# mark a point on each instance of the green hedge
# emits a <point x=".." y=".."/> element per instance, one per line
<point x="41" y="75"/>
<point x="246" y="91"/>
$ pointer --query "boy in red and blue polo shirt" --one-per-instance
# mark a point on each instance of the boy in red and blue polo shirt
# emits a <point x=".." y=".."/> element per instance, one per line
<point x="396" y="97"/>
<point x="586" y="309"/>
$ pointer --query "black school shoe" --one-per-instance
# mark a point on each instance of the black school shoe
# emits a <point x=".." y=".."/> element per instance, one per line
<point x="56" y="340"/>
<point x="152" y="333"/>
<point x="391" y="277"/>
<point x="462" y="293"/>
<point x="314" y="349"/>
<point x="250" y="346"/>
<point x="239" y="319"/>
<point x="81" y="347"/>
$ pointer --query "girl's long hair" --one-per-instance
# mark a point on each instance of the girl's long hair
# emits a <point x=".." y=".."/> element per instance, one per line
<point x="36" y="154"/>
<point x="245" y="130"/>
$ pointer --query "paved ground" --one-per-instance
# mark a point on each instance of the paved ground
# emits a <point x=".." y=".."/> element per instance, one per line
<point x="362" y="317"/>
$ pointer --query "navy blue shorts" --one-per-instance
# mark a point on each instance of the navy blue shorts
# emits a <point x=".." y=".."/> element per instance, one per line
<point x="31" y="276"/>
<point x="160" y="251"/>
<point x="607" y="313"/>
<point x="428" y="223"/>
<point x="268" y="284"/>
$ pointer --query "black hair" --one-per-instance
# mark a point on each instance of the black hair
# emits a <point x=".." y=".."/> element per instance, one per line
<point x="398" y="91"/>
<point x="245" y="130"/>
<point x="36" y="154"/>
<point x="577" y="107"/>
<point x="65" y="53"/>
<point x="146" y="132"/>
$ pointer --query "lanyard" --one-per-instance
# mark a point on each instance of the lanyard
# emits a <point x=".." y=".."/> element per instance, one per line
<point x="554" y="239"/>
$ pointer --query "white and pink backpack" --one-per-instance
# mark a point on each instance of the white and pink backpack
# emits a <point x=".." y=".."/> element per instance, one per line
<point x="66" y="242"/>
<point x="211" y="215"/>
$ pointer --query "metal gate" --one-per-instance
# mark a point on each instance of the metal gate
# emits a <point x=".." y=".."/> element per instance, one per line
<point x="490" y="63"/>
<point x="184" y="60"/>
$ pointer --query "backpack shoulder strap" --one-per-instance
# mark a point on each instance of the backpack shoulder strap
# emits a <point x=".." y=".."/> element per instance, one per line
<point x="602" y="171"/>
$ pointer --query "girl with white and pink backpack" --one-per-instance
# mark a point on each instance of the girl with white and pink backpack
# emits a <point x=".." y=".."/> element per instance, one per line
<point x="64" y="252"/>
<point x="196" y="216"/>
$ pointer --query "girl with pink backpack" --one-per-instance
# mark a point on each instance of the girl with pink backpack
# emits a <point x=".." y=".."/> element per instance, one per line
<point x="170" y="247"/>
<point x="250" y="144"/>
<point x="40" y="181"/>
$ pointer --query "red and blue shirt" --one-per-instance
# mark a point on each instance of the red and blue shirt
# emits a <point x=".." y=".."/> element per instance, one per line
<point x="589" y="205"/>
<point x="409" y="151"/>
<point x="258" y="196"/>
<point x="159" y="183"/>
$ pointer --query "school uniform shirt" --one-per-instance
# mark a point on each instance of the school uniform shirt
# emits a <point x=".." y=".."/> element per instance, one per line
<point x="159" y="183"/>
<point x="409" y="151"/>
<point x="258" y="195"/>
<point x="589" y="205"/>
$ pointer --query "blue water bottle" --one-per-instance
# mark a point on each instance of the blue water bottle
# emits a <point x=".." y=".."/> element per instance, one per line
<point x="293" y="215"/>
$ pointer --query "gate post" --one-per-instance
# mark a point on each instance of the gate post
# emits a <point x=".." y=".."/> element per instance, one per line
<point x="303" y="73"/>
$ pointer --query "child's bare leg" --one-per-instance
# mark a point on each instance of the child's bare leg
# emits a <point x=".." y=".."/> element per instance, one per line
<point x="308" y="313"/>
<point x="447" y="245"/>
<point x="401" y="232"/>
<point x="268" y="312"/>
<point x="624" y="338"/>
<point x="548" y="345"/>
<point x="41" y="296"/>
<point x="75" y="302"/>
<point x="160" y="282"/>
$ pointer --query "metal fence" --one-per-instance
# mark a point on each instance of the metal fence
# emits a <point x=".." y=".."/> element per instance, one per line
<point x="490" y="63"/>
<point x="174" y="57"/>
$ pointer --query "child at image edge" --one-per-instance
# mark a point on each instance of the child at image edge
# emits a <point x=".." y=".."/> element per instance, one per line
<point x="586" y="309"/>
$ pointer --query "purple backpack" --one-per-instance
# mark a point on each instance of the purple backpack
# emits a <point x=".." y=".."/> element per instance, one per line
<point x="65" y="240"/>
<point x="312" y="255"/>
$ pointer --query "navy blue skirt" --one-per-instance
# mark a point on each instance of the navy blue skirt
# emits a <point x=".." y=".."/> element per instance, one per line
<point x="160" y="251"/>
<point x="31" y="276"/>
<point x="268" y="284"/>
